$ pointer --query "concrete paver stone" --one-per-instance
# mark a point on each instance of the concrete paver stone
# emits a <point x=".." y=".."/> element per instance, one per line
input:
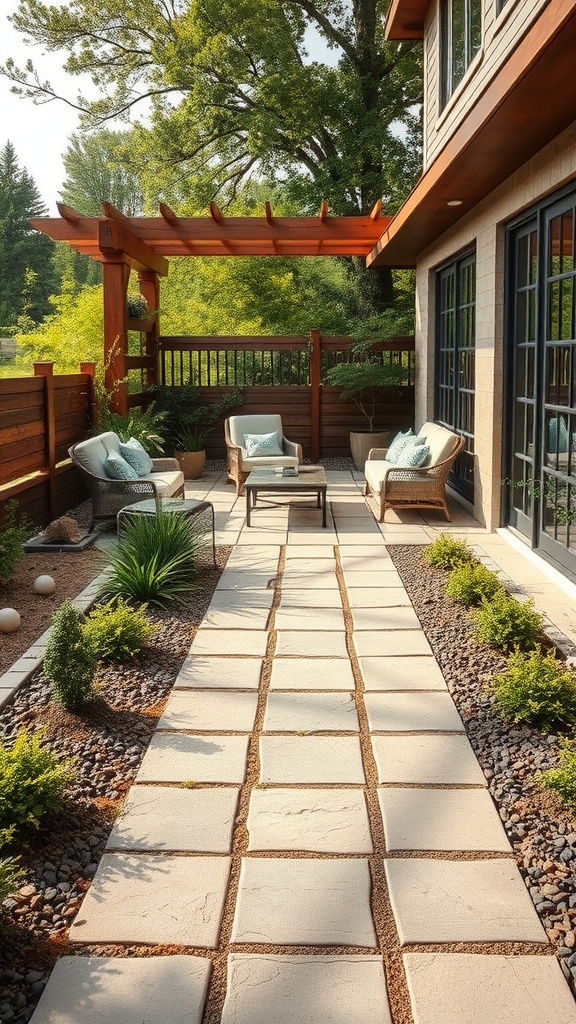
<point x="154" y="899"/>
<point x="461" y="901"/>
<point x="421" y="672"/>
<point x="412" y="712"/>
<point x="311" y="820"/>
<point x="309" y="598"/>
<point x="309" y="581"/>
<point x="107" y="990"/>
<point x="311" y="759"/>
<point x="442" y="819"/>
<point x="311" y="674"/>
<point x="179" y="757"/>
<point x="229" y="641"/>
<point x="381" y="576"/>
<point x="236" y="618"/>
<point x="231" y="600"/>
<point x="213" y="673"/>
<point x="311" y="644"/>
<point x="310" y="712"/>
<point x="385" y="618"/>
<point x="202" y="710"/>
<point x="304" y="902"/>
<point x="427" y="759"/>
<point x="263" y="988"/>
<point x="471" y="988"/>
<point x="167" y="818"/>
<point x="239" y="578"/>
<point x="397" y="642"/>
<point x="310" y="618"/>
<point x="377" y="597"/>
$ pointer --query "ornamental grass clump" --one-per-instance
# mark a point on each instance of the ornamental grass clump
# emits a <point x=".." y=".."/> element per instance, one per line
<point x="563" y="779"/>
<point x="469" y="583"/>
<point x="69" y="662"/>
<point x="155" y="561"/>
<point x="447" y="552"/>
<point x="14" y="532"/>
<point x="117" y="632"/>
<point x="32" y="782"/>
<point x="505" y="623"/>
<point x="537" y="689"/>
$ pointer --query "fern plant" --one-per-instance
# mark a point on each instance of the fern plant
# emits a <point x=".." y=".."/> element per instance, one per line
<point x="505" y="623"/>
<point x="32" y="782"/>
<point x="155" y="560"/>
<point x="69" y="662"/>
<point x="536" y="688"/>
<point x="117" y="632"/>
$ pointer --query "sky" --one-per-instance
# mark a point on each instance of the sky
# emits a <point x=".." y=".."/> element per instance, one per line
<point x="40" y="133"/>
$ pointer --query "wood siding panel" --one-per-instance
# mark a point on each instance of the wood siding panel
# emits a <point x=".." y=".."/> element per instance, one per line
<point x="501" y="34"/>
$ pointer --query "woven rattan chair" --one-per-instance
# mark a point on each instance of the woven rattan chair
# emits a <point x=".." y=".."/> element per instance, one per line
<point x="238" y="464"/>
<point x="399" y="487"/>
<point x="109" y="496"/>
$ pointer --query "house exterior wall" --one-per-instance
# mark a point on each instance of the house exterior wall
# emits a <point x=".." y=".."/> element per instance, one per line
<point x="484" y="229"/>
<point x="501" y="32"/>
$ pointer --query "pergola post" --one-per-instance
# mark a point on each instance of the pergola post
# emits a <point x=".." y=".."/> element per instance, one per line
<point x="116" y="276"/>
<point x="149" y="282"/>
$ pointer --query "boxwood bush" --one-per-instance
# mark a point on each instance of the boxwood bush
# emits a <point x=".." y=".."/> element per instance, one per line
<point x="32" y="781"/>
<point x="563" y="778"/>
<point x="537" y="689"/>
<point x="505" y="623"/>
<point x="117" y="632"/>
<point x="469" y="583"/>
<point x="446" y="552"/>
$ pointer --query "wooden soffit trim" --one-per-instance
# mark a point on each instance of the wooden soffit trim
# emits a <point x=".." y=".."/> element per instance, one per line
<point x="146" y="241"/>
<point x="405" y="19"/>
<point x="528" y="103"/>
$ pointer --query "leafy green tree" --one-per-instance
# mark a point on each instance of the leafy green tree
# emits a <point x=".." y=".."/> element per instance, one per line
<point x="97" y="171"/>
<point x="234" y="94"/>
<point x="26" y="275"/>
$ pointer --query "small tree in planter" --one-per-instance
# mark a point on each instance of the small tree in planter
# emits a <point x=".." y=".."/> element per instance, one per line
<point x="366" y="381"/>
<point x="188" y="422"/>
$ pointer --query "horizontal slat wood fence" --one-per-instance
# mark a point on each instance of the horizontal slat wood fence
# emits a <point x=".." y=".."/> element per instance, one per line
<point x="40" y="418"/>
<point x="286" y="376"/>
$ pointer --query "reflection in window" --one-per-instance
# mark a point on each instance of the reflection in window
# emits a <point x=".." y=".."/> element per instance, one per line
<point x="460" y="41"/>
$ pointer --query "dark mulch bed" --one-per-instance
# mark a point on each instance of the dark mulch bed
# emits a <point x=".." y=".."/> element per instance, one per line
<point x="541" y="830"/>
<point x="107" y="742"/>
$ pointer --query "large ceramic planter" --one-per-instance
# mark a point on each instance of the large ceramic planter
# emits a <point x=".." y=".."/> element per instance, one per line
<point x="191" y="463"/>
<point x="361" y="441"/>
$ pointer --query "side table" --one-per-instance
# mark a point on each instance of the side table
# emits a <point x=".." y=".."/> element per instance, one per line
<point x="200" y="514"/>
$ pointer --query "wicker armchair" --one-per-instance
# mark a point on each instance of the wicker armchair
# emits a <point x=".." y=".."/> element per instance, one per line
<point x="109" y="496"/>
<point x="423" y="487"/>
<point x="238" y="464"/>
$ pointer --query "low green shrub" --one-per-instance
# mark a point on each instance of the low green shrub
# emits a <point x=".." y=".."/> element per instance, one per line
<point x="32" y="781"/>
<point x="537" y="689"/>
<point x="563" y="778"/>
<point x="117" y="632"/>
<point x="69" y="662"/>
<point x="468" y="583"/>
<point x="155" y="560"/>
<point x="446" y="552"/>
<point x="12" y="536"/>
<point x="505" y="623"/>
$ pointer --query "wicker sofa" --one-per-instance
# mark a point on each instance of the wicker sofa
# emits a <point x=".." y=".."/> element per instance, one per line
<point x="400" y="487"/>
<point x="238" y="463"/>
<point x="108" y="496"/>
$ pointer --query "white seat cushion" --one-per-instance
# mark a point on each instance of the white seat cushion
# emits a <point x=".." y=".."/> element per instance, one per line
<point x="260" y="461"/>
<point x="167" y="482"/>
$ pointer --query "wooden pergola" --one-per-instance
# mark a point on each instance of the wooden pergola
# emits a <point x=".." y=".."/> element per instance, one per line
<point x="143" y="244"/>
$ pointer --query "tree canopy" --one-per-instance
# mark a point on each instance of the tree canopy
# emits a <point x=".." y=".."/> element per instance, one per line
<point x="97" y="172"/>
<point x="26" y="273"/>
<point x="228" y="89"/>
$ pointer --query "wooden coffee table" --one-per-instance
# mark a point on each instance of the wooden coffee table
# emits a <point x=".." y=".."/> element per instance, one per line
<point x="310" y="480"/>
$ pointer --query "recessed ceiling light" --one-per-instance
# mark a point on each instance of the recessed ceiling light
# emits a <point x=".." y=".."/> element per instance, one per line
<point x="455" y="202"/>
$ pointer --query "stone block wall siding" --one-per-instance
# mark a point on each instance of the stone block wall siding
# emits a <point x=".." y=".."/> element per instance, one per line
<point x="484" y="228"/>
<point x="501" y="33"/>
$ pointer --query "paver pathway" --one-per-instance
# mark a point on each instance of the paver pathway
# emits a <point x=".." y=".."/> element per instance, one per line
<point x="310" y="832"/>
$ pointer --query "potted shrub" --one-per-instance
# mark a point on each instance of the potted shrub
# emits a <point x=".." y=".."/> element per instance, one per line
<point x="140" y="317"/>
<point x="365" y="380"/>
<point x="190" y="450"/>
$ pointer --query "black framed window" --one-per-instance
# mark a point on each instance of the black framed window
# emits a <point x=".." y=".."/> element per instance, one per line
<point x="460" y="41"/>
<point x="455" y="361"/>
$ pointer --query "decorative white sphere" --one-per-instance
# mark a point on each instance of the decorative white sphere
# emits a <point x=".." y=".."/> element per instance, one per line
<point x="9" y="620"/>
<point x="44" y="585"/>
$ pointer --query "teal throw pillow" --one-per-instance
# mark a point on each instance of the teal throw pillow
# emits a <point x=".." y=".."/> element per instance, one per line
<point x="414" y="455"/>
<point x="397" y="445"/>
<point x="263" y="444"/>
<point x="136" y="456"/>
<point x="557" y="435"/>
<point x="118" y="469"/>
